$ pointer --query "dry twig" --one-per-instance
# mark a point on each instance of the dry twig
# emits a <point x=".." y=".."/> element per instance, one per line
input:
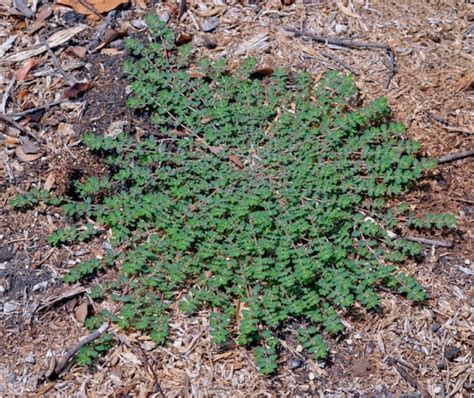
<point x="447" y="126"/>
<point x="69" y="78"/>
<point x="340" y="62"/>
<point x="58" y="369"/>
<point x="10" y="121"/>
<point x="408" y="378"/>
<point x="153" y="373"/>
<point x="35" y="109"/>
<point x="352" y="44"/>
<point x="94" y="43"/>
<point x="431" y="242"/>
<point x="6" y="95"/>
<point x="455" y="156"/>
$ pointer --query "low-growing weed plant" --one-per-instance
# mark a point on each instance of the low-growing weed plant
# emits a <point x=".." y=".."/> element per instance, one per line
<point x="262" y="199"/>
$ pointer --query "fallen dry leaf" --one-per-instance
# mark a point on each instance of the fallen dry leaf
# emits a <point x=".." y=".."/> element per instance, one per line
<point x="116" y="128"/>
<point x="183" y="38"/>
<point x="49" y="183"/>
<point x="100" y="6"/>
<point x="7" y="44"/>
<point x="215" y="149"/>
<point x="346" y="10"/>
<point x="194" y="74"/>
<point x="262" y="72"/>
<point x="56" y="39"/>
<point x="11" y="141"/>
<point x="25" y="69"/>
<point x="109" y="36"/>
<point x="79" y="51"/>
<point x="81" y="311"/>
<point x="28" y="146"/>
<point x="143" y="4"/>
<point x="42" y="15"/>
<point x="210" y="12"/>
<point x="77" y="89"/>
<point x="65" y="129"/>
<point x="361" y="368"/>
<point x="235" y="159"/>
<point x="26" y="157"/>
<point x="22" y="6"/>
<point x="111" y="52"/>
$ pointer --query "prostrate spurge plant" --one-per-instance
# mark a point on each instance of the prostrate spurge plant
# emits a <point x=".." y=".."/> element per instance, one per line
<point x="262" y="199"/>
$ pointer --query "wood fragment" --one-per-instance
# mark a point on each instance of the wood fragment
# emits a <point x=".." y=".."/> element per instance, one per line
<point x="91" y="8"/>
<point x="408" y="378"/>
<point x="431" y="242"/>
<point x="352" y="44"/>
<point x="10" y="121"/>
<point x="156" y="381"/>
<point x="419" y="239"/>
<point x="22" y="6"/>
<point x="71" y="80"/>
<point x="56" y="39"/>
<point x="18" y="115"/>
<point x="101" y="30"/>
<point x="447" y="126"/>
<point x="340" y="62"/>
<point x="69" y="293"/>
<point x="183" y="7"/>
<point x="455" y="156"/>
<point x="59" y="368"/>
<point x="6" y="95"/>
<point x="11" y="175"/>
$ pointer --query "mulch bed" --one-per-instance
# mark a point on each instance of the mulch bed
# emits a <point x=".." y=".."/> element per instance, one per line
<point x="52" y="94"/>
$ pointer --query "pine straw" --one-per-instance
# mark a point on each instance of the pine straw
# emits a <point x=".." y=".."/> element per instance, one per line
<point x="405" y="345"/>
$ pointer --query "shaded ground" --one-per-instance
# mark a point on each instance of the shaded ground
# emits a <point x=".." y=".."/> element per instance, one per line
<point x="400" y="349"/>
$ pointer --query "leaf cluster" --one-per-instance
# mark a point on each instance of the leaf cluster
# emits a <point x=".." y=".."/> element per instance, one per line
<point x="262" y="199"/>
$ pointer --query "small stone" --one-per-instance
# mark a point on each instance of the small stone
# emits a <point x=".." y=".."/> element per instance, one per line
<point x="322" y="363"/>
<point x="299" y="348"/>
<point x="178" y="343"/>
<point x="107" y="245"/>
<point x="149" y="345"/>
<point x="467" y="261"/>
<point x="30" y="359"/>
<point x="209" y="24"/>
<point x="441" y="365"/>
<point x="3" y="266"/>
<point x="204" y="41"/>
<point x="138" y="23"/>
<point x="452" y="353"/>
<point x="311" y="376"/>
<point x="295" y="363"/>
<point x="118" y="44"/>
<point x="9" y="307"/>
<point x="2" y="289"/>
<point x="165" y="17"/>
<point x="41" y="285"/>
<point x="82" y="251"/>
<point x="340" y="28"/>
